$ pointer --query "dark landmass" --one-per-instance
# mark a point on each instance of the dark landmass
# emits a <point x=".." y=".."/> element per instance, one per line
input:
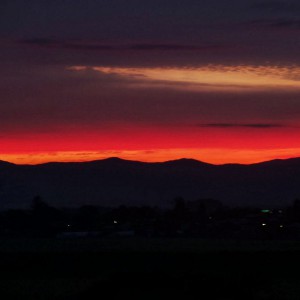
<point x="113" y="182"/>
<point x="148" y="269"/>
<point x="120" y="229"/>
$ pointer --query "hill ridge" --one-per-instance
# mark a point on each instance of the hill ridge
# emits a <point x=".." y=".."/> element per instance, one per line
<point x="179" y="160"/>
<point x="113" y="182"/>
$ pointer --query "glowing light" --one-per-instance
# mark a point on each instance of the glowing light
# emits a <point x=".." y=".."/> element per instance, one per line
<point x="263" y="224"/>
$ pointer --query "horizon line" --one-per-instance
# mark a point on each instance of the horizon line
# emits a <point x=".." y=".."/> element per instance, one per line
<point x="147" y="162"/>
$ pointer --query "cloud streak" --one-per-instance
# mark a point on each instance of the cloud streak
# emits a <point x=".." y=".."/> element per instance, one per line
<point x="98" y="46"/>
<point x="210" y="76"/>
<point x="276" y="6"/>
<point x="288" y="24"/>
<point x="241" y="125"/>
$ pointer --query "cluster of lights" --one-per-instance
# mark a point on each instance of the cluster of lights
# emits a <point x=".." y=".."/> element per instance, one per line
<point x="264" y="224"/>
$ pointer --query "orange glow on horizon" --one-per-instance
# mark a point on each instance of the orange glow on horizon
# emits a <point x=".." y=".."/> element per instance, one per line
<point x="213" y="156"/>
<point x="154" y="144"/>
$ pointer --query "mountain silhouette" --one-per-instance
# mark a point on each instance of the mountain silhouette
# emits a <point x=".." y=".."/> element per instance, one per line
<point x="114" y="181"/>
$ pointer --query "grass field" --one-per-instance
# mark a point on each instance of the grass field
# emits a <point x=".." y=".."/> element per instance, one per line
<point x="149" y="269"/>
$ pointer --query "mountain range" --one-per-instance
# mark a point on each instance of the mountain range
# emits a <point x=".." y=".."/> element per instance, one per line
<point x="114" y="181"/>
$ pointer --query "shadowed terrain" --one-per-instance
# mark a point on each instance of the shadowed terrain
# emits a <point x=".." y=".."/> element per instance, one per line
<point x="139" y="268"/>
<point x="112" y="182"/>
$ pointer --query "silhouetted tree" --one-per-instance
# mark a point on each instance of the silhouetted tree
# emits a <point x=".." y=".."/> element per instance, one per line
<point x="15" y="222"/>
<point x="88" y="218"/>
<point x="296" y="210"/>
<point x="46" y="219"/>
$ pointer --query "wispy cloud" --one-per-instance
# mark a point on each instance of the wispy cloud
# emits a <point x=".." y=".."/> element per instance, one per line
<point x="290" y="24"/>
<point x="210" y="76"/>
<point x="276" y="6"/>
<point x="286" y="24"/>
<point x="98" y="46"/>
<point x="241" y="125"/>
<point x="173" y="47"/>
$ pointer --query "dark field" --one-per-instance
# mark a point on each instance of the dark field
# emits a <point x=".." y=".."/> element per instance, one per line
<point x="134" y="268"/>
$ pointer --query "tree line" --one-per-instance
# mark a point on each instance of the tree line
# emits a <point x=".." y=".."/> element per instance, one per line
<point x="204" y="218"/>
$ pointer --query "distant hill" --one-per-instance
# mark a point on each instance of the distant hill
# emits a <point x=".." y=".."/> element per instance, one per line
<point x="114" y="181"/>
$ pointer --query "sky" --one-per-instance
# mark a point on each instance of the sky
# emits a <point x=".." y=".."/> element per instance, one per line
<point x="217" y="81"/>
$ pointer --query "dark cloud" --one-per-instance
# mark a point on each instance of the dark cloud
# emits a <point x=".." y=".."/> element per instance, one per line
<point x="286" y="24"/>
<point x="247" y="125"/>
<point x="74" y="45"/>
<point x="174" y="47"/>
<point x="40" y="41"/>
<point x="95" y="45"/>
<point x="276" y="6"/>
<point x="278" y="25"/>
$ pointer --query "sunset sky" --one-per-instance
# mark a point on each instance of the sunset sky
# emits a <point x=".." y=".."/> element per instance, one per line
<point x="149" y="80"/>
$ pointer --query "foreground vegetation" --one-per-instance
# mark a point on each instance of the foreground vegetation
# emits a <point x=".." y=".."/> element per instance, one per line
<point x="189" y="251"/>
<point x="148" y="268"/>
